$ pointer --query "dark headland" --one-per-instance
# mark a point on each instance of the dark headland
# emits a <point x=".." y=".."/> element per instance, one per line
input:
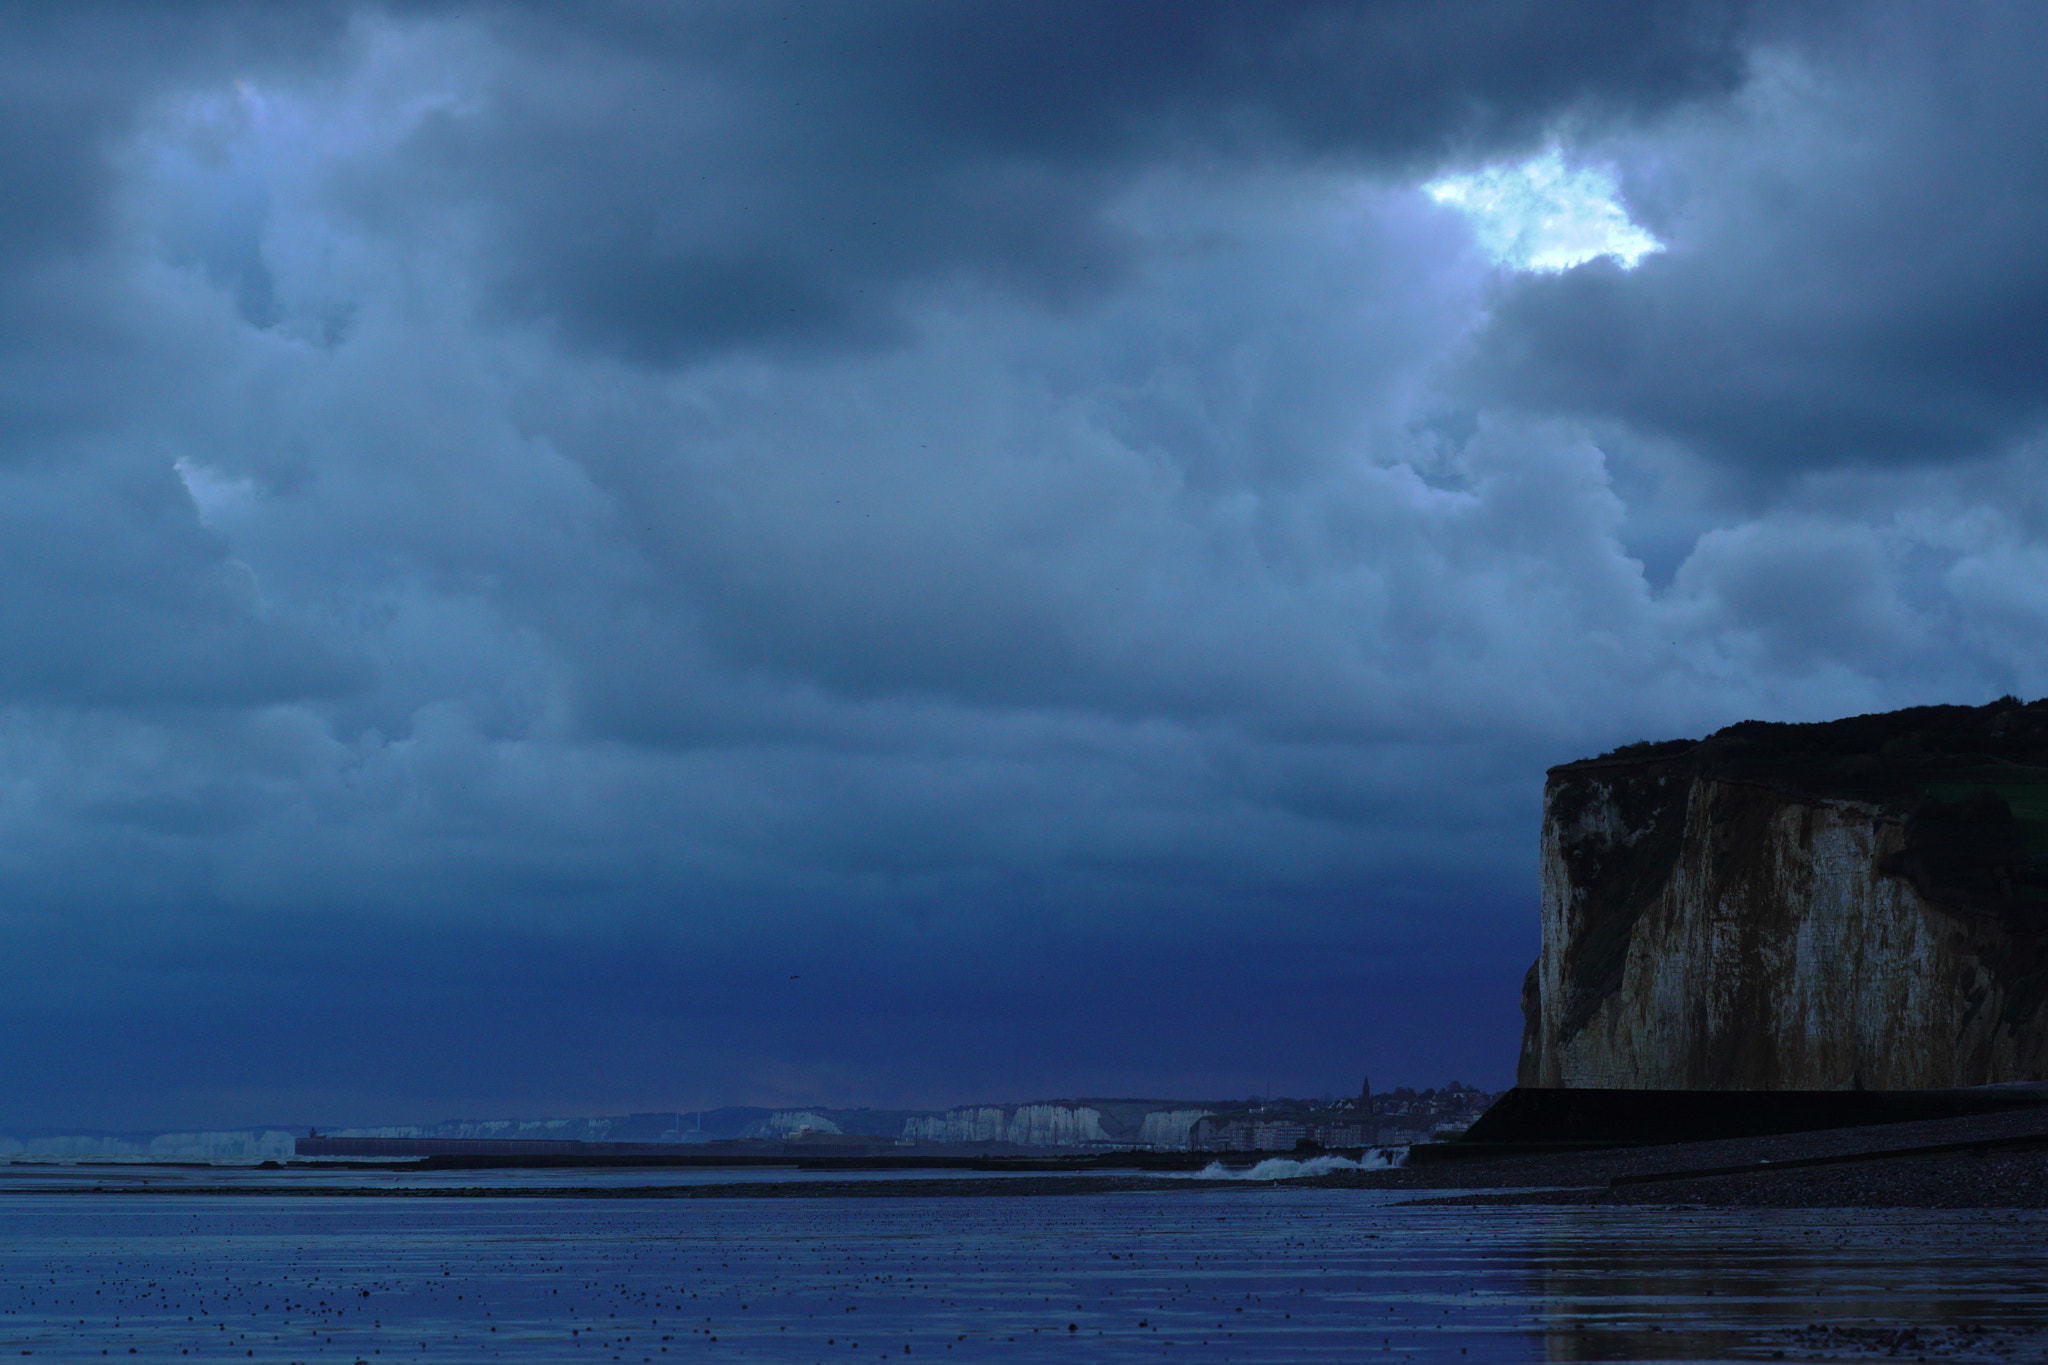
<point x="1790" y="963"/>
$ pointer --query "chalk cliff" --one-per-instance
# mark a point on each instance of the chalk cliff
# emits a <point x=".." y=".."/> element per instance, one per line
<point x="240" y="1144"/>
<point x="1029" y="1125"/>
<point x="1062" y="1123"/>
<point x="1856" y="904"/>
<point x="1169" y="1128"/>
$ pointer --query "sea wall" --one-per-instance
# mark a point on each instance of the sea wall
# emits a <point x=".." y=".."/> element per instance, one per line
<point x="1711" y="923"/>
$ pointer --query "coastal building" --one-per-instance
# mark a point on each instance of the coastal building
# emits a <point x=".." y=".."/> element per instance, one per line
<point x="1277" y="1132"/>
<point x="1397" y="1118"/>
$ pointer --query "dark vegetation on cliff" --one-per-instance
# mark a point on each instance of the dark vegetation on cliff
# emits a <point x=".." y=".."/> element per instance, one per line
<point x="1620" y="877"/>
<point x="1969" y="783"/>
<point x="1889" y="758"/>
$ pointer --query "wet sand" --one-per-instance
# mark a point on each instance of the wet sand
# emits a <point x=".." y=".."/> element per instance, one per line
<point x="1255" y="1273"/>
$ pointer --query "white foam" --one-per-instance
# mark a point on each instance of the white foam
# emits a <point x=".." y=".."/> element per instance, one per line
<point x="1288" y="1168"/>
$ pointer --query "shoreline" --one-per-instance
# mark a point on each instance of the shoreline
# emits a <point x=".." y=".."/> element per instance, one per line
<point x="1986" y="1161"/>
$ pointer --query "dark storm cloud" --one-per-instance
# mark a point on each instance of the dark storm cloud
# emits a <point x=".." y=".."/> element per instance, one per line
<point x="113" y="595"/>
<point x="670" y="183"/>
<point x="529" y="526"/>
<point x="1854" y="275"/>
<point x="110" y="596"/>
<point x="73" y="76"/>
<point x="272" y="1022"/>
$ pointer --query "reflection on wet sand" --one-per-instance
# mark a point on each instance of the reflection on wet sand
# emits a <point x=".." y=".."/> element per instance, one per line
<point x="1654" y="1284"/>
<point x="1247" y="1272"/>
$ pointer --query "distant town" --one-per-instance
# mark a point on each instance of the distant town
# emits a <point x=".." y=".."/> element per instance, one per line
<point x="1401" y="1117"/>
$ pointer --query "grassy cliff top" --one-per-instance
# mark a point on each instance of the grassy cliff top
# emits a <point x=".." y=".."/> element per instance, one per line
<point x="1890" y="758"/>
<point x="1969" y="782"/>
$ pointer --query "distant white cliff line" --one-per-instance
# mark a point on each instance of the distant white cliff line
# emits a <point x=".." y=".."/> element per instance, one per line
<point x="1170" y="1127"/>
<point x="1034" y="1124"/>
<point x="240" y="1144"/>
<point x="1028" y="1125"/>
<point x="1049" y="1125"/>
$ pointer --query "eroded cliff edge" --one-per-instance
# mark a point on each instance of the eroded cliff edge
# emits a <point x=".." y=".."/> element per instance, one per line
<point x="1859" y="903"/>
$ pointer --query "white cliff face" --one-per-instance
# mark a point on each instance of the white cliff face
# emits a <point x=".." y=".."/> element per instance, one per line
<point x="1704" y="934"/>
<point x="986" y="1124"/>
<point x="1028" y="1125"/>
<point x="246" y="1144"/>
<point x="1172" y="1128"/>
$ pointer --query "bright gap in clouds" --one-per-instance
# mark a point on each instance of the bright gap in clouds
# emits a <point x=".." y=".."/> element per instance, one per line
<point x="1544" y="215"/>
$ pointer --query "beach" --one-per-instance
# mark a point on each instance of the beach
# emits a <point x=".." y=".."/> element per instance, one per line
<point x="567" y="1266"/>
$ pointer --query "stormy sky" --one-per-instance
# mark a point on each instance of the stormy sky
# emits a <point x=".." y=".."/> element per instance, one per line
<point x="620" y="556"/>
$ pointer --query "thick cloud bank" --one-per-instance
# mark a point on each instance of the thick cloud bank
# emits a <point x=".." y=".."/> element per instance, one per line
<point x="609" y="557"/>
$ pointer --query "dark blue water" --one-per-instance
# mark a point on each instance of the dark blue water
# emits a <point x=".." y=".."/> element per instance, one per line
<point x="1264" y="1273"/>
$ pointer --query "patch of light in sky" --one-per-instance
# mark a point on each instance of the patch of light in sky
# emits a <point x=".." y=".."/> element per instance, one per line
<point x="1544" y="215"/>
<point x="212" y="492"/>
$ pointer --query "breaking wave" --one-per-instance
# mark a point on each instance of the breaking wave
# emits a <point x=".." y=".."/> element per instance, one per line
<point x="1288" y="1168"/>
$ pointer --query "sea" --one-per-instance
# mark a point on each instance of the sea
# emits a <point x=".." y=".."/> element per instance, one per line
<point x="107" y="1263"/>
